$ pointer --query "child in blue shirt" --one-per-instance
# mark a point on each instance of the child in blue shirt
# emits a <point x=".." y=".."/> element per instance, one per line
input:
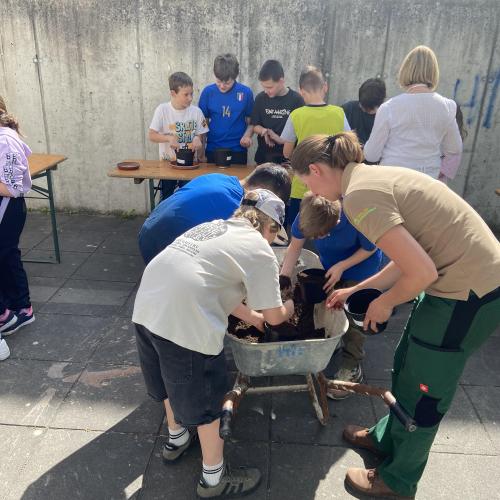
<point x="227" y="104"/>
<point x="348" y="258"/>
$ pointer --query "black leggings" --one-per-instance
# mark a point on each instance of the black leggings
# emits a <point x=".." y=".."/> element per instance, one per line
<point x="14" y="291"/>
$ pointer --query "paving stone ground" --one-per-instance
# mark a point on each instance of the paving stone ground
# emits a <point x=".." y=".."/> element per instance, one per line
<point x="75" y="422"/>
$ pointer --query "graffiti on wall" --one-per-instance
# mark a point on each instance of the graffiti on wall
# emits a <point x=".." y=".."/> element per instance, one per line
<point x="470" y="104"/>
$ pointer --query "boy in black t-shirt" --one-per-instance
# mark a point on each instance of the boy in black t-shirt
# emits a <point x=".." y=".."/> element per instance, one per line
<point x="271" y="110"/>
<point x="361" y="114"/>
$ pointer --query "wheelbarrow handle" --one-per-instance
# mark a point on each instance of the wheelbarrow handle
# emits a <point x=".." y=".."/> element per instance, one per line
<point x="400" y="413"/>
<point x="225" y="424"/>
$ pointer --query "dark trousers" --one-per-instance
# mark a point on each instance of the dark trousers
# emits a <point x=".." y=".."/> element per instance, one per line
<point x="238" y="157"/>
<point x="168" y="187"/>
<point x="14" y="291"/>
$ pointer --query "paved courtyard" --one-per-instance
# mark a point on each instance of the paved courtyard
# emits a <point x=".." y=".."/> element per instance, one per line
<point x="75" y="422"/>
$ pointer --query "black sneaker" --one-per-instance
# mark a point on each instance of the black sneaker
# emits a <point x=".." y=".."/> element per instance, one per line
<point x="237" y="483"/>
<point x="22" y="319"/>
<point x="8" y="322"/>
<point x="171" y="452"/>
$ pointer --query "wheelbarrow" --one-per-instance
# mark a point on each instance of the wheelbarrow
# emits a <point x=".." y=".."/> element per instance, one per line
<point x="297" y="357"/>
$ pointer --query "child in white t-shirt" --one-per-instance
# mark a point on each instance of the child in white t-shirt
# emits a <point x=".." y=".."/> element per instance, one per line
<point x="178" y="124"/>
<point x="181" y="322"/>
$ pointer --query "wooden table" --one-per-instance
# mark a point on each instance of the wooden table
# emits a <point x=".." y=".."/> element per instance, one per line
<point x="163" y="170"/>
<point x="42" y="165"/>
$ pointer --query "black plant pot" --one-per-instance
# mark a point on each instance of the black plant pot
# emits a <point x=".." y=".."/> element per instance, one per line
<point x="185" y="157"/>
<point x="277" y="158"/>
<point x="355" y="308"/>
<point x="311" y="282"/>
<point x="223" y="157"/>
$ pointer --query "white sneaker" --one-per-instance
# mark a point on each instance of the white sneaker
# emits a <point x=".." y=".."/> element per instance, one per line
<point x="4" y="350"/>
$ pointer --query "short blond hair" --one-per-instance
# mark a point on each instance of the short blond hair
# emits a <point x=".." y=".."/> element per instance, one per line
<point x="419" y="66"/>
<point x="317" y="215"/>
<point x="258" y="219"/>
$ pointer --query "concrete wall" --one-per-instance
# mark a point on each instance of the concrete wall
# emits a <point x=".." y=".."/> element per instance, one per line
<point x="84" y="76"/>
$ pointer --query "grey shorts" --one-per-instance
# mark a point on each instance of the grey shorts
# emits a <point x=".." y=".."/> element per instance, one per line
<point x="194" y="383"/>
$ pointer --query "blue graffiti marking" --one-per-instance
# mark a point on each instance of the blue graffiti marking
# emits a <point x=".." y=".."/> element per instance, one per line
<point x="491" y="102"/>
<point x="290" y="351"/>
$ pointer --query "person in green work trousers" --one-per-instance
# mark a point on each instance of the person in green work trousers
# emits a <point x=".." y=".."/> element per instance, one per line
<point x="441" y="252"/>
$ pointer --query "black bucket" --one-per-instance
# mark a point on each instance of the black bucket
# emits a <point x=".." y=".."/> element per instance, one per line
<point x="277" y="158"/>
<point x="223" y="157"/>
<point x="311" y="282"/>
<point x="185" y="157"/>
<point x="355" y="308"/>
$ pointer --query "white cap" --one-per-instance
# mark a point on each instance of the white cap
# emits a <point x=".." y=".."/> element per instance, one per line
<point x="274" y="207"/>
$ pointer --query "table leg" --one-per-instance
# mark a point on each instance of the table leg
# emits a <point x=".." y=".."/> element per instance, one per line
<point x="152" y="194"/>
<point x="53" y="220"/>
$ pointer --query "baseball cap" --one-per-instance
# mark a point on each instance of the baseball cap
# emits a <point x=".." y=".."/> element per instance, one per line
<point x="274" y="207"/>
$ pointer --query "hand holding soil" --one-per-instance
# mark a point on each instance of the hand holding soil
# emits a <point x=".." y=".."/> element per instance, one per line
<point x="299" y="326"/>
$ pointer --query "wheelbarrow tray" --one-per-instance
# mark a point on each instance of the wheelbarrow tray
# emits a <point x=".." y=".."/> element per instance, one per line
<point x="295" y="357"/>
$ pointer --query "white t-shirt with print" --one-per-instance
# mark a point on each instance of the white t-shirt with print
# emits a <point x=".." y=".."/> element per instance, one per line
<point x="189" y="289"/>
<point x="186" y="123"/>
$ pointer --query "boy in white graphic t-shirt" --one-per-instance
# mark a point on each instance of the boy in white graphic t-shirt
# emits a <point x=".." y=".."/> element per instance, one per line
<point x="178" y="124"/>
<point x="181" y="323"/>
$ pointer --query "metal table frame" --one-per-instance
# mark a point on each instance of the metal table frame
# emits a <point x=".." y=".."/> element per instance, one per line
<point x="41" y="166"/>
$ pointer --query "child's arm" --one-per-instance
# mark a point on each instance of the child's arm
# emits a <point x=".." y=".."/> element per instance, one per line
<point x="275" y="137"/>
<point x="157" y="137"/>
<point x="335" y="272"/>
<point x="246" y="140"/>
<point x="199" y="139"/>
<point x="289" y="138"/>
<point x="249" y="316"/>
<point x="278" y="315"/>
<point x="12" y="176"/>
<point x="291" y="256"/>
<point x="4" y="191"/>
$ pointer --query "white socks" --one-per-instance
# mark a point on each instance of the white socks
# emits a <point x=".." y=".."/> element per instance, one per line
<point x="179" y="436"/>
<point x="213" y="473"/>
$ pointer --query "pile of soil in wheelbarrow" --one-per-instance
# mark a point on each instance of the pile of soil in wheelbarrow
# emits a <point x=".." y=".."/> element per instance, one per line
<point x="299" y="327"/>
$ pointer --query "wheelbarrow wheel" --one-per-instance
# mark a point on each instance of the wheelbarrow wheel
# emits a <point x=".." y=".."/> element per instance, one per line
<point x="317" y="393"/>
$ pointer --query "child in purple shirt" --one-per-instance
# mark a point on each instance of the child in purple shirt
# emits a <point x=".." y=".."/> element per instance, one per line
<point x="15" y="182"/>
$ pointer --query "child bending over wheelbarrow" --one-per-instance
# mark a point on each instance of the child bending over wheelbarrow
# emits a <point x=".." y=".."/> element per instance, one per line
<point x="348" y="258"/>
<point x="181" y="312"/>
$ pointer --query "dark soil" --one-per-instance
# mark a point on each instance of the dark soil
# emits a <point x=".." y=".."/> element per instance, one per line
<point x="299" y="327"/>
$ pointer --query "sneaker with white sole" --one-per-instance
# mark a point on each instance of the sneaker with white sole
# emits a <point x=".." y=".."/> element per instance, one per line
<point x="171" y="452"/>
<point x="4" y="350"/>
<point x="22" y="319"/>
<point x="348" y="375"/>
<point x="239" y="482"/>
<point x="8" y="322"/>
